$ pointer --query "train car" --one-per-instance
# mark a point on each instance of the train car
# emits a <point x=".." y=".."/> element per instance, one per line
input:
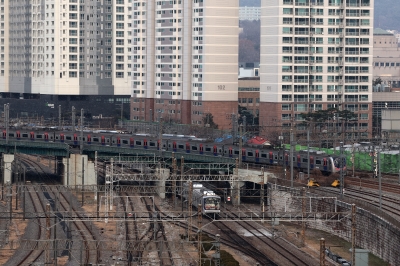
<point x="210" y="202"/>
<point x="266" y="155"/>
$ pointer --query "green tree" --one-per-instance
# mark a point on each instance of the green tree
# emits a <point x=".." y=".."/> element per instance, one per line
<point x="377" y="81"/>
<point x="208" y="121"/>
<point x="244" y="112"/>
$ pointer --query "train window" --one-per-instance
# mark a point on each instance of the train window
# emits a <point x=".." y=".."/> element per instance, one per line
<point x="68" y="137"/>
<point x="39" y="136"/>
<point x="194" y="148"/>
<point x="236" y="152"/>
<point x="124" y="141"/>
<point x="152" y="144"/>
<point x="294" y="159"/>
<point x="208" y="149"/>
<point x="96" y="139"/>
<point x="305" y="160"/>
<point x="263" y="155"/>
<point x="318" y="161"/>
<point x="250" y="154"/>
<point x="138" y="142"/>
<point x="180" y="146"/>
<point x="24" y="135"/>
<point x="83" y="139"/>
<point x="11" y="134"/>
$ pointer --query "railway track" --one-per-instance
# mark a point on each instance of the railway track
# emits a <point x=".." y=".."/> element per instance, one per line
<point x="158" y="226"/>
<point x="373" y="184"/>
<point x="34" y="255"/>
<point x="65" y="204"/>
<point x="264" y="239"/>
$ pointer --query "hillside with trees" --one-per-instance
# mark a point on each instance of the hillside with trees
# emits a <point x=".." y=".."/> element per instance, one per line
<point x="387" y="14"/>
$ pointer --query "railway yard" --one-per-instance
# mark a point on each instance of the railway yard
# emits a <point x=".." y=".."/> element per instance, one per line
<point x="46" y="223"/>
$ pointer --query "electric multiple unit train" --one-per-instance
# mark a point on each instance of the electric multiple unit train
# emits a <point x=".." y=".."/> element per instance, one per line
<point x="210" y="202"/>
<point x="327" y="164"/>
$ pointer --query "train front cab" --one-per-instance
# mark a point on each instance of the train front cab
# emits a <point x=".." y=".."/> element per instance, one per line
<point x="312" y="162"/>
<point x="75" y="139"/>
<point x="187" y="147"/>
<point x="174" y="146"/>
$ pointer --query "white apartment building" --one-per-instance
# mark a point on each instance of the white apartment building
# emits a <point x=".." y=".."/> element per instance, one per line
<point x="185" y="58"/>
<point x="249" y="13"/>
<point x="65" y="47"/>
<point x="316" y="54"/>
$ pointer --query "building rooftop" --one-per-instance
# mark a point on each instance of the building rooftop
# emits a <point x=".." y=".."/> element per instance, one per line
<point x="379" y="31"/>
<point x="250" y="78"/>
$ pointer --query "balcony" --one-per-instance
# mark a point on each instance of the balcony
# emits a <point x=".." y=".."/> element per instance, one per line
<point x="352" y="52"/>
<point x="301" y="61"/>
<point x="352" y="34"/>
<point x="352" y="4"/>
<point x="302" y="13"/>
<point x="300" y="80"/>
<point x="301" y="42"/>
<point x="301" y="32"/>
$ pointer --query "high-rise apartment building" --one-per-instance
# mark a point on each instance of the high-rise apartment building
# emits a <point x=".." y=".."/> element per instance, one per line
<point x="316" y="54"/>
<point x="185" y="58"/>
<point x="65" y="48"/>
<point x="249" y="13"/>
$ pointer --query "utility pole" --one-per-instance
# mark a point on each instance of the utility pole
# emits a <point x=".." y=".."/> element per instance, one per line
<point x="322" y="252"/>
<point x="341" y="170"/>
<point x="59" y="116"/>
<point x="199" y="223"/>
<point x="240" y="145"/>
<point x="262" y="194"/>
<point x="160" y="136"/>
<point x="308" y="154"/>
<point x="122" y="112"/>
<point x="6" y="119"/>
<point x="81" y="142"/>
<point x="353" y="234"/>
<point x="73" y="119"/>
<point x="379" y="179"/>
<point x="291" y="158"/>
<point x="283" y="156"/>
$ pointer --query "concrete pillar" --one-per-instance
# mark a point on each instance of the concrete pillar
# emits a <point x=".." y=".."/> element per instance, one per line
<point x="162" y="175"/>
<point x="59" y="165"/>
<point x="73" y="170"/>
<point x="7" y="160"/>
<point x="236" y="192"/>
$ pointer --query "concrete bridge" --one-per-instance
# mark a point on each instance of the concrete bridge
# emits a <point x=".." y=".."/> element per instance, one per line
<point x="77" y="168"/>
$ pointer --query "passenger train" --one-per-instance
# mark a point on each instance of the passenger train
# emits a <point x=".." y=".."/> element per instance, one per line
<point x="210" y="202"/>
<point x="327" y="164"/>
